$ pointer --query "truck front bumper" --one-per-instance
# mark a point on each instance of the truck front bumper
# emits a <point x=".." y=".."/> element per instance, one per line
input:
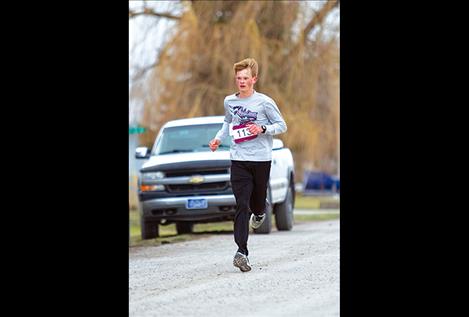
<point x="174" y="208"/>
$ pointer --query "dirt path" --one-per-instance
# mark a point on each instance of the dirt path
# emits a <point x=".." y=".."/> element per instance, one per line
<point x="294" y="273"/>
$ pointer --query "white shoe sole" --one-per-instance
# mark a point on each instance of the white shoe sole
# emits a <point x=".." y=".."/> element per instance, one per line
<point x="253" y="225"/>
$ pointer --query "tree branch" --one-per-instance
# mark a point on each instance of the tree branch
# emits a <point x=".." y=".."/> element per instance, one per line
<point x="151" y="12"/>
<point x="319" y="17"/>
<point x="142" y="71"/>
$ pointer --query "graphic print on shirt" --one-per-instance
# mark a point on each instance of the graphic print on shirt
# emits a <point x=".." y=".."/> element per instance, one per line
<point x="243" y="116"/>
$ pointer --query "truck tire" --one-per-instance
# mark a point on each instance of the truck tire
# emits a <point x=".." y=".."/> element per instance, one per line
<point x="150" y="230"/>
<point x="184" y="227"/>
<point x="266" y="226"/>
<point x="284" y="211"/>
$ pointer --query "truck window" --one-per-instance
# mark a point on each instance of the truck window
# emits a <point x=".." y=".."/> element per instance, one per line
<point x="191" y="138"/>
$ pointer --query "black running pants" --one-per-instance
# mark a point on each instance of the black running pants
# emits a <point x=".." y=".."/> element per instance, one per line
<point x="249" y="181"/>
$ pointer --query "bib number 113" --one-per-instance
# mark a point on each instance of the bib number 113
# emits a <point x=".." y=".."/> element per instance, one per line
<point x="241" y="133"/>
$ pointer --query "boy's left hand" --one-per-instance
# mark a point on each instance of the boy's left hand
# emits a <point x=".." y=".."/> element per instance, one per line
<point x="254" y="128"/>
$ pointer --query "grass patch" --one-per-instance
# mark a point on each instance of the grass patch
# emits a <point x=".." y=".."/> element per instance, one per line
<point x="313" y="202"/>
<point x="215" y="227"/>
<point x="306" y="202"/>
<point x="316" y="217"/>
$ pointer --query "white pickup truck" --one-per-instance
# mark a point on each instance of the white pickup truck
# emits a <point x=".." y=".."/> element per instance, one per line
<point x="183" y="182"/>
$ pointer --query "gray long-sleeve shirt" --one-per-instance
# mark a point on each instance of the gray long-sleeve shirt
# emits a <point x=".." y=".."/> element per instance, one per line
<point x="259" y="109"/>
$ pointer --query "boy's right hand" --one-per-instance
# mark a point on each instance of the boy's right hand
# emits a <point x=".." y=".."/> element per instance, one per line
<point x="214" y="144"/>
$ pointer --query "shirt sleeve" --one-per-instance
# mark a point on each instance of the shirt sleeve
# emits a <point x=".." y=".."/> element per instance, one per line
<point x="275" y="117"/>
<point x="224" y="131"/>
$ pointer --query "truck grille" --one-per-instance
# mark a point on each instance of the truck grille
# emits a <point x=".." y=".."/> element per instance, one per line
<point x="180" y="188"/>
<point x="205" y="188"/>
<point x="197" y="172"/>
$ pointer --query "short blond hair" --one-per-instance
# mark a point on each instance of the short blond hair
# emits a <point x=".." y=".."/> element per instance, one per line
<point x="246" y="63"/>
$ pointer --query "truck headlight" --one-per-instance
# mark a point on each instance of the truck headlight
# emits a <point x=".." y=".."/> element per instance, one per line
<point x="152" y="176"/>
<point x="149" y="188"/>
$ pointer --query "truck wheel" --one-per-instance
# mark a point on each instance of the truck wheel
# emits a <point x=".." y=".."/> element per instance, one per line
<point x="284" y="212"/>
<point x="266" y="226"/>
<point x="150" y="230"/>
<point x="184" y="227"/>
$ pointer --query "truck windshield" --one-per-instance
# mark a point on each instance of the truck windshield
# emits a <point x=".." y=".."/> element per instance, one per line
<point x="193" y="138"/>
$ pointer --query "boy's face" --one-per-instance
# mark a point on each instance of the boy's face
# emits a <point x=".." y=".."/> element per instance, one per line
<point x="245" y="81"/>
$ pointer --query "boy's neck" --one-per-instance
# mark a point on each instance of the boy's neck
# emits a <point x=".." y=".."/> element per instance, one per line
<point x="248" y="94"/>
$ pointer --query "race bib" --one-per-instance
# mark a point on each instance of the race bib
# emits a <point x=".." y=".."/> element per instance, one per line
<point x="240" y="133"/>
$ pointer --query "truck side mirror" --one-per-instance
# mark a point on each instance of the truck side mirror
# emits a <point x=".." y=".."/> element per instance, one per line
<point x="142" y="152"/>
<point x="277" y="144"/>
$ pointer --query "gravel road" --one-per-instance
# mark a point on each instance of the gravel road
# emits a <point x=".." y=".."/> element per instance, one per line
<point x="294" y="273"/>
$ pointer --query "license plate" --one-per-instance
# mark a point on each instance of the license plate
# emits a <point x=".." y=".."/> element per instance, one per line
<point x="197" y="203"/>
